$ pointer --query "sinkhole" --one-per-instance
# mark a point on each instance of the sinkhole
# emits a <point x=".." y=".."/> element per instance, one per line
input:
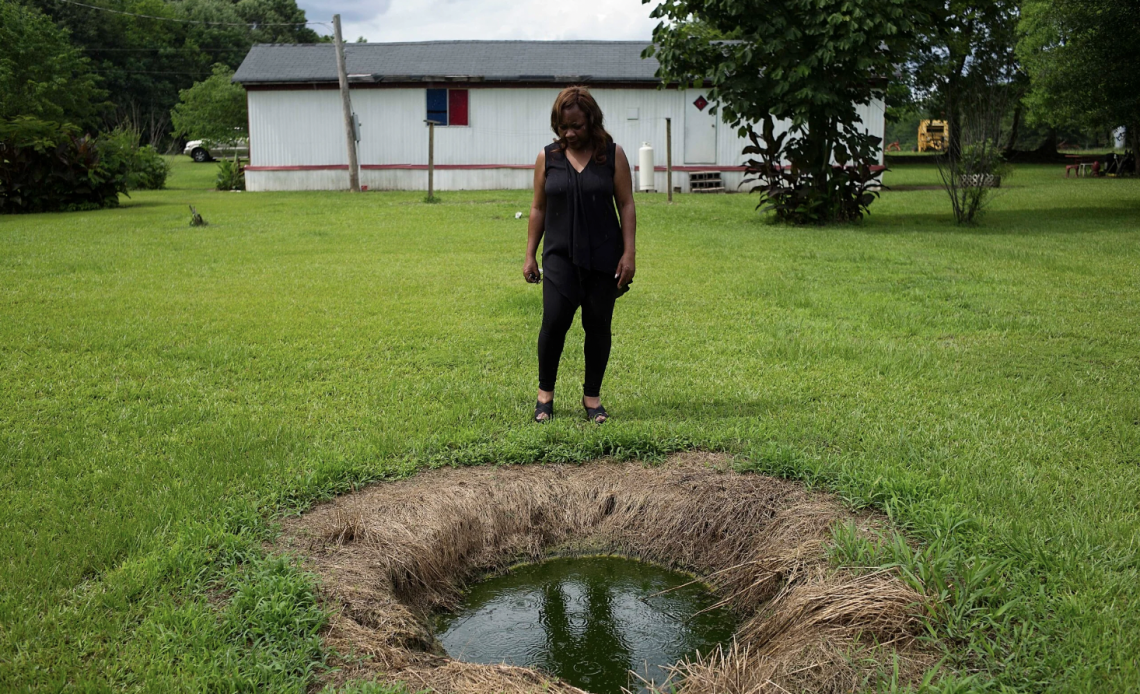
<point x="402" y="563"/>
<point x="599" y="623"/>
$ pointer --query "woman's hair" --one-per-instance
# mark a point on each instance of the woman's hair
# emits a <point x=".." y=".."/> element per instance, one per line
<point x="580" y="96"/>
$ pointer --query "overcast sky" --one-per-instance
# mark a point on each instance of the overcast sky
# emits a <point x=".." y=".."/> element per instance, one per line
<point x="434" y="20"/>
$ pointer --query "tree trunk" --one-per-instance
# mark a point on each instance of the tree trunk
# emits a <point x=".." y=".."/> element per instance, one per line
<point x="1133" y="133"/>
<point x="953" y="101"/>
<point x="1011" y="145"/>
<point x="1049" y="146"/>
<point x="953" y="121"/>
<point x="954" y="134"/>
<point x="820" y="159"/>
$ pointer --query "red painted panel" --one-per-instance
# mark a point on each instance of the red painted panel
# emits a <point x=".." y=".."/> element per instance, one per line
<point x="457" y="107"/>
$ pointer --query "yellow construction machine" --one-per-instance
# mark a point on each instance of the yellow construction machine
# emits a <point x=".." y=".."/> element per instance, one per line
<point x="933" y="135"/>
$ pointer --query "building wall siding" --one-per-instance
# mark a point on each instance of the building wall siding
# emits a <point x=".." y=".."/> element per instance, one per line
<point x="296" y="128"/>
<point x="300" y="128"/>
<point x="405" y="179"/>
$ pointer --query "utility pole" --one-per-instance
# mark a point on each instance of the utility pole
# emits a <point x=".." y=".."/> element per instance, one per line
<point x="349" y="129"/>
<point x="431" y="159"/>
<point x="669" y="157"/>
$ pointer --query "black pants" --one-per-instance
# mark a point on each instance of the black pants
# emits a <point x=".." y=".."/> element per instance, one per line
<point x="599" y="291"/>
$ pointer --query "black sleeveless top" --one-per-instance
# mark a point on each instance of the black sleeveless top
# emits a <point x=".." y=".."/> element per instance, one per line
<point x="582" y="227"/>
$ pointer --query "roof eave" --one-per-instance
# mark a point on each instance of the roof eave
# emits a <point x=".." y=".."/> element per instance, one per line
<point x="463" y="79"/>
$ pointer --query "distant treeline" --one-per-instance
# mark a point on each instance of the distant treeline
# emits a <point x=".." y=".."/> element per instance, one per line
<point x="101" y="69"/>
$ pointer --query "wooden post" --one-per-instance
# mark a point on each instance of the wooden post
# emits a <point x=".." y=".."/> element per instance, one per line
<point x="669" y="157"/>
<point x="431" y="159"/>
<point x="349" y="129"/>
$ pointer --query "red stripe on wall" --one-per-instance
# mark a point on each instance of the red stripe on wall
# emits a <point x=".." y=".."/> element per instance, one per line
<point x="471" y="167"/>
<point x="325" y="167"/>
<point x="447" y="167"/>
<point x="695" y="167"/>
<point x="382" y="167"/>
<point x="457" y="167"/>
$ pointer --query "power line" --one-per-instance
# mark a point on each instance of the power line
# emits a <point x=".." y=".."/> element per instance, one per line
<point x="193" y="21"/>
<point x="151" y="72"/>
<point x="164" y="48"/>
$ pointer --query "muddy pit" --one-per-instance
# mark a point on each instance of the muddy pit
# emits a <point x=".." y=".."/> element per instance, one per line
<point x="397" y="558"/>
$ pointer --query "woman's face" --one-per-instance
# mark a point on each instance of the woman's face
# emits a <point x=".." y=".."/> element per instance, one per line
<point x="573" y="127"/>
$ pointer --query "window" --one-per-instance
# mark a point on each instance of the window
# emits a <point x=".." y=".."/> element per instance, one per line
<point x="447" y="106"/>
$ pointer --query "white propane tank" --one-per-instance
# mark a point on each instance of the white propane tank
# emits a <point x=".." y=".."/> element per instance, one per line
<point x="645" y="165"/>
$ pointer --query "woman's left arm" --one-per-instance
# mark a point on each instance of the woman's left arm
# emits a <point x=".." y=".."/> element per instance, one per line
<point x="623" y="192"/>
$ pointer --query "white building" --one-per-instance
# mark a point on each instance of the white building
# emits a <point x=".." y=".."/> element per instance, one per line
<point x="495" y="98"/>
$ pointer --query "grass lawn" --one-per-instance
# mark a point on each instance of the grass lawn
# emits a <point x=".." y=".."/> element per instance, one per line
<point x="166" y="390"/>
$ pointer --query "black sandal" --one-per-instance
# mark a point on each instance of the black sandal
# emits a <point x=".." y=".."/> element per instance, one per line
<point x="592" y="413"/>
<point x="546" y="408"/>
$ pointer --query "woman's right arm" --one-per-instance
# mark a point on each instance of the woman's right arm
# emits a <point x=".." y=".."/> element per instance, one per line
<point x="537" y="224"/>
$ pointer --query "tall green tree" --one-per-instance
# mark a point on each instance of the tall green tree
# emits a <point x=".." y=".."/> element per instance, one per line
<point x="811" y="62"/>
<point x="1083" y="59"/>
<point x="967" y="48"/>
<point x="41" y="73"/>
<point x="213" y="109"/>
<point x="144" y="63"/>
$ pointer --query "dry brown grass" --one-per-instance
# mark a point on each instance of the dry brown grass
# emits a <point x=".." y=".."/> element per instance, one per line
<point x="391" y="554"/>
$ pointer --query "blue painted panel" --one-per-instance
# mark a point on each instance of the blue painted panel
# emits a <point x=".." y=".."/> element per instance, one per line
<point x="437" y="105"/>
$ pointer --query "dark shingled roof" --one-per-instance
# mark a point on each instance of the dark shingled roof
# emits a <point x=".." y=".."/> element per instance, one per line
<point x="491" y="61"/>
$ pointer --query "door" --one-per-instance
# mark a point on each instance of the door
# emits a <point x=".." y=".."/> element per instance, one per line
<point x="700" y="129"/>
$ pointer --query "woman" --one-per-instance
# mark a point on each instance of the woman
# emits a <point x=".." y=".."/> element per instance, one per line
<point x="588" y="255"/>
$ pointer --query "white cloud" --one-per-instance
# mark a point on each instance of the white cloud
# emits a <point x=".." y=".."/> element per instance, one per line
<point x="439" y="20"/>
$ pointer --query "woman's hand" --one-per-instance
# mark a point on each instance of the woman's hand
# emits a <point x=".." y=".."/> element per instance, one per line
<point x="530" y="271"/>
<point x="625" y="270"/>
<point x="535" y="224"/>
<point x="623" y="193"/>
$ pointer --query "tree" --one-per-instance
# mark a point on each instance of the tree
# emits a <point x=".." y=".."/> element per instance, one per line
<point x="971" y="174"/>
<point x="964" y="70"/>
<point x="1083" y="62"/>
<point x="41" y="74"/>
<point x="214" y="109"/>
<point x="144" y="63"/>
<point x="967" y="47"/>
<point x="811" y="62"/>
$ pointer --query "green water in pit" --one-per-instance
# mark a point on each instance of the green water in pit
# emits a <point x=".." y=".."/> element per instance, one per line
<point x="588" y="621"/>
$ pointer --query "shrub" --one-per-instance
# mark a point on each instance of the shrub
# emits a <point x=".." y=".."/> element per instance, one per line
<point x="117" y="151"/>
<point x="48" y="167"/>
<point x="799" y="195"/>
<point x="973" y="168"/>
<point x="970" y="178"/>
<point x="147" y="169"/>
<point x="231" y="175"/>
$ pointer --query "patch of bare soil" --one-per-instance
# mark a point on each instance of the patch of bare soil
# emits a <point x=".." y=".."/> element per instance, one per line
<point x="392" y="553"/>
